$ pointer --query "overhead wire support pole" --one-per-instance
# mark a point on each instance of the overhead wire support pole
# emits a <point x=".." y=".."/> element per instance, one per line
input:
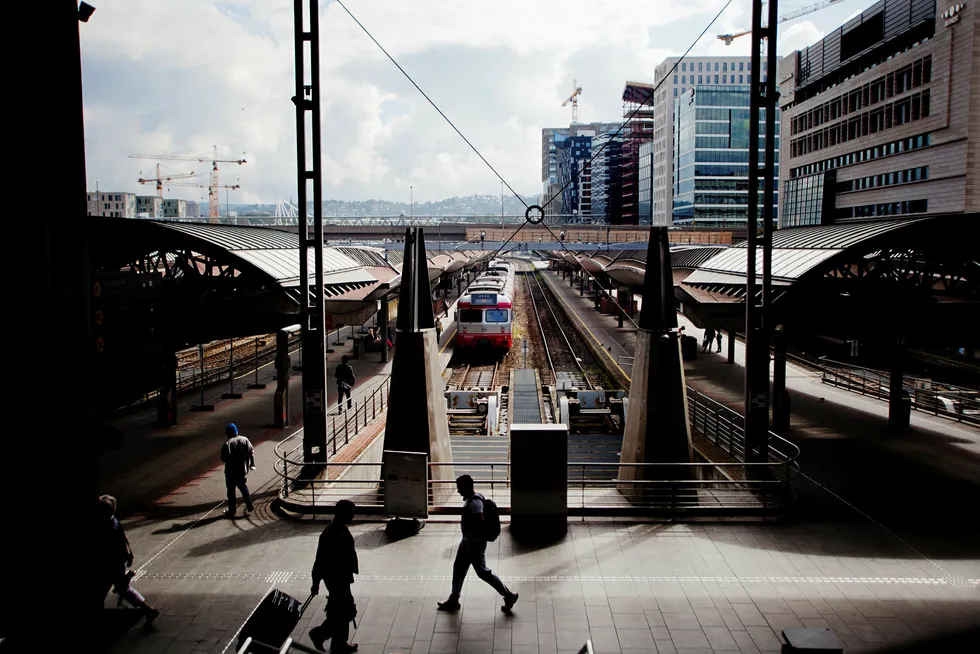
<point x="307" y="99"/>
<point x="761" y="95"/>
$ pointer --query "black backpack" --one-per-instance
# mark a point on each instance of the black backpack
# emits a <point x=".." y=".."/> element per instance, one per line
<point x="491" y="520"/>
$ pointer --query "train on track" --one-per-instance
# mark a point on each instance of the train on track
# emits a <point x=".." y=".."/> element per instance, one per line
<point x="485" y="313"/>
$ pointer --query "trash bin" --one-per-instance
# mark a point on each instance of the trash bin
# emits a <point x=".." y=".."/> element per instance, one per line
<point x="359" y="343"/>
<point x="689" y="348"/>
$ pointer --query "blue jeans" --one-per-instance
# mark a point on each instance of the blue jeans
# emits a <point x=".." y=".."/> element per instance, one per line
<point x="474" y="553"/>
<point x="232" y="483"/>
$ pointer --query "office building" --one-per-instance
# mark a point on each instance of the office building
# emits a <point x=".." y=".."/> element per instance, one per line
<point x="549" y="156"/>
<point x="574" y="176"/>
<point x="637" y="130"/>
<point x="607" y="182"/>
<point x="711" y="157"/>
<point x="676" y="77"/>
<point x="193" y="209"/>
<point x="149" y="206"/>
<point x="111" y="205"/>
<point x="882" y="116"/>
<point x="645" y="184"/>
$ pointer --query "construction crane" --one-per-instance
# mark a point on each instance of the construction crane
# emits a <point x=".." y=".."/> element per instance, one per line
<point x="213" y="201"/>
<point x="159" y="180"/>
<point x="802" y="11"/>
<point x="573" y="98"/>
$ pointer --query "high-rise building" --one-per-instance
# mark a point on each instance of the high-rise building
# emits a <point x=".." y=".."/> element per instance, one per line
<point x="111" y="205"/>
<point x="645" y="184"/>
<point x="149" y="206"/>
<point x="575" y="175"/>
<point x="674" y="83"/>
<point x="711" y="156"/>
<point x="549" y="156"/>
<point x="193" y="209"/>
<point x="607" y="180"/>
<point x="638" y="129"/>
<point x="175" y="208"/>
<point x="882" y="117"/>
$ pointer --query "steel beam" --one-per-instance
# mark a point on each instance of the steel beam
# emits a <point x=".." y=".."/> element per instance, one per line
<point x="307" y="99"/>
<point x="762" y="96"/>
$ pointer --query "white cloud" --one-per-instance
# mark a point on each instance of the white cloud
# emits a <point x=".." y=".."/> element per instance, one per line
<point x="178" y="76"/>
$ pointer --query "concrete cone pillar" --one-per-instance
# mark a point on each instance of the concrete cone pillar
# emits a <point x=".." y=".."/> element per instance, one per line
<point x="417" y="419"/>
<point x="657" y="426"/>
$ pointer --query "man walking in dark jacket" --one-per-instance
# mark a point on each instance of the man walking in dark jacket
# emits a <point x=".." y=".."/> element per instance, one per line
<point x="336" y="565"/>
<point x="345" y="382"/>
<point x="239" y="457"/>
<point x="473" y="550"/>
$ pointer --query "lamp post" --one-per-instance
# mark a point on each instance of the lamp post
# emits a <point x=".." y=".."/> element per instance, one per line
<point x="411" y="202"/>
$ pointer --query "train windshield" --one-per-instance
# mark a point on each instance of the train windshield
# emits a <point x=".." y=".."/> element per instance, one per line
<point x="471" y="315"/>
<point x="496" y="315"/>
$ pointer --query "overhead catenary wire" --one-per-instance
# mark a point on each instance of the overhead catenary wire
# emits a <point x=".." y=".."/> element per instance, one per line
<point x="434" y="105"/>
<point x="642" y="104"/>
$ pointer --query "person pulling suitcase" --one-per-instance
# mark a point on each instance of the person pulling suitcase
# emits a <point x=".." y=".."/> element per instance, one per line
<point x="336" y="565"/>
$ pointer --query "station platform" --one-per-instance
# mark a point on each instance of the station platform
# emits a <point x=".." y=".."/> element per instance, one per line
<point x="849" y="562"/>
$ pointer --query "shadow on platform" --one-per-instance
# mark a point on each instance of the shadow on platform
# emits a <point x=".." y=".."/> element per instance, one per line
<point x="113" y="625"/>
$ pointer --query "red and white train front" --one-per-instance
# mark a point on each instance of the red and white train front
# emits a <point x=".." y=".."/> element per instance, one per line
<point x="485" y="314"/>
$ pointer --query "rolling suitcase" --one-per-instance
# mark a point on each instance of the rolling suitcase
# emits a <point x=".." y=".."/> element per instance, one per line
<point x="273" y="620"/>
<point x="689" y="348"/>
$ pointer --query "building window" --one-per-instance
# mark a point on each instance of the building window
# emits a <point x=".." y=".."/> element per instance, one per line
<point x="883" y="209"/>
<point x="675" y="79"/>
<point x="741" y="79"/>
<point x="675" y="91"/>
<point x="716" y="66"/>
<point x="741" y="66"/>
<point x="724" y="79"/>
<point x="699" y="66"/>
<point x="716" y="77"/>
<point x="699" y="79"/>
<point x="683" y="79"/>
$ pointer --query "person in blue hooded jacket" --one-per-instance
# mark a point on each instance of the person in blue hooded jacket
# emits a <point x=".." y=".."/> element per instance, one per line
<point x="239" y="458"/>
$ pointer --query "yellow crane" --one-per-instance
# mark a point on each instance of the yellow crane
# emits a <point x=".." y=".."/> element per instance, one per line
<point x="213" y="204"/>
<point x="573" y="98"/>
<point x="802" y="11"/>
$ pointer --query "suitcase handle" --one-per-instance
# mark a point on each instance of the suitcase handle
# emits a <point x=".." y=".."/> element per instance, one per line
<point x="305" y="604"/>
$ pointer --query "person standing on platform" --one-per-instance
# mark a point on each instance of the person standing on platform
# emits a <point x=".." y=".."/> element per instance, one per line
<point x="718" y="338"/>
<point x="336" y="565"/>
<point x="239" y="458"/>
<point x="344" y="375"/>
<point x="473" y="550"/>
<point x="709" y="335"/>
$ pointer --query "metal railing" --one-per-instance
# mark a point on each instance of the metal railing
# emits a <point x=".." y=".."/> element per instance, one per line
<point x="960" y="404"/>
<point x="592" y="488"/>
<point x="367" y="406"/>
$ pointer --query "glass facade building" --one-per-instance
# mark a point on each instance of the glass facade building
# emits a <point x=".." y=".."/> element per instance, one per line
<point x="574" y="153"/>
<point x="808" y="200"/>
<point x="711" y="157"/>
<point x="645" y="184"/>
<point x="607" y="178"/>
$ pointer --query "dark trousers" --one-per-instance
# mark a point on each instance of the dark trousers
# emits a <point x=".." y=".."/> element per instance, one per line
<point x="341" y="392"/>
<point x="474" y="553"/>
<point x="232" y="483"/>
<point x="340" y="611"/>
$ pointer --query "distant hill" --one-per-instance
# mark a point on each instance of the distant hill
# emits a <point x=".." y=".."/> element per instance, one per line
<point x="456" y="206"/>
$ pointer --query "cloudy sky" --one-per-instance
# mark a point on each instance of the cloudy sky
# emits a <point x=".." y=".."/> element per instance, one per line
<point x="176" y="77"/>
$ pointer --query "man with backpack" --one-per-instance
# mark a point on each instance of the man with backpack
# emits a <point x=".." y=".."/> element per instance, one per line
<point x="344" y="375"/>
<point x="480" y="523"/>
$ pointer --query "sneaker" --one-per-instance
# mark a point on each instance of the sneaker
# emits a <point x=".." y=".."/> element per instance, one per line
<point x="249" y="508"/>
<point x="450" y="606"/>
<point x="509" y="602"/>
<point x="229" y="514"/>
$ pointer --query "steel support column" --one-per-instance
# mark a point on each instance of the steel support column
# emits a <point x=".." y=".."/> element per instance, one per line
<point x="762" y="97"/>
<point x="307" y="99"/>
<point x="780" y="396"/>
<point x="384" y="329"/>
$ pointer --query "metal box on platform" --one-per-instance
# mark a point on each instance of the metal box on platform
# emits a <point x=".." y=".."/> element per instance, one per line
<point x="539" y="479"/>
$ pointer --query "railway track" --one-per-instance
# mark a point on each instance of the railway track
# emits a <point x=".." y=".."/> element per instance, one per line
<point x="564" y="366"/>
